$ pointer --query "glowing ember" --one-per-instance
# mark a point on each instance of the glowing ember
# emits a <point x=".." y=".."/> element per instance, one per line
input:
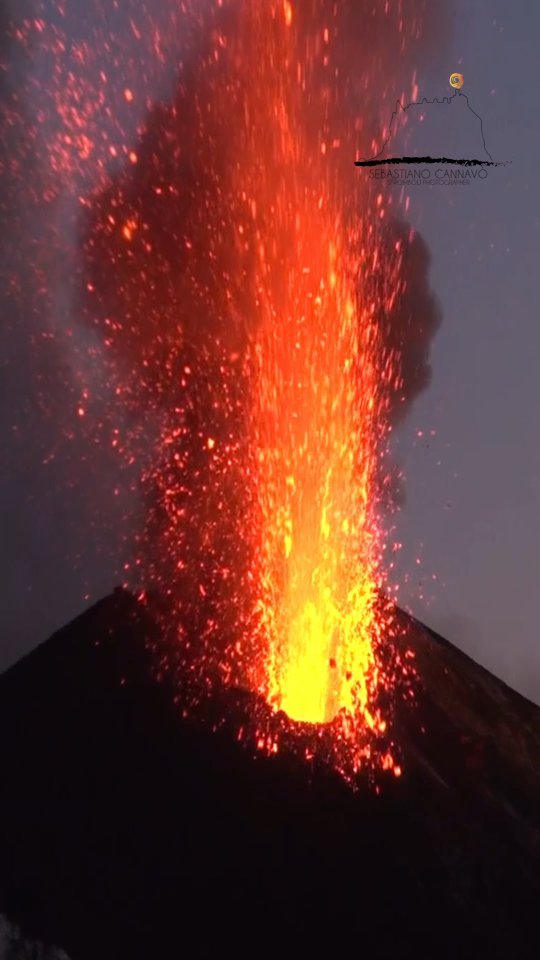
<point x="241" y="282"/>
<point x="319" y="399"/>
<point x="315" y="425"/>
<point x="264" y="530"/>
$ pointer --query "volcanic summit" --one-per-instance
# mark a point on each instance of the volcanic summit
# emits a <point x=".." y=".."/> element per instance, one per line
<point x="128" y="830"/>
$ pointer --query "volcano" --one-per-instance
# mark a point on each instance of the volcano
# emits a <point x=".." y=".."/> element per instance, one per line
<point x="128" y="830"/>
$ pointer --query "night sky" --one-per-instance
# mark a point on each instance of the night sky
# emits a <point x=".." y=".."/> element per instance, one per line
<point x="473" y="492"/>
<point x="471" y="514"/>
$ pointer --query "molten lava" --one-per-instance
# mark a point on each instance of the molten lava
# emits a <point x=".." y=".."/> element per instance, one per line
<point x="264" y="356"/>
<point x="316" y="440"/>
<point x="244" y="350"/>
<point x="319" y="402"/>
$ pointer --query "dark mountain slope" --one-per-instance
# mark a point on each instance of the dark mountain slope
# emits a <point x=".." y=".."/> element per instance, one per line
<point x="129" y="832"/>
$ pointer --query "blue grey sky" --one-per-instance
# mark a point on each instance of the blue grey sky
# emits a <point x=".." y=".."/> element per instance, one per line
<point x="473" y="492"/>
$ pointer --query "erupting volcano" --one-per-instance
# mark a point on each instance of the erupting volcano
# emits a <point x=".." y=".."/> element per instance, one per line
<point x="257" y="317"/>
<point x="318" y="369"/>
<point x="226" y="321"/>
<point x="256" y="283"/>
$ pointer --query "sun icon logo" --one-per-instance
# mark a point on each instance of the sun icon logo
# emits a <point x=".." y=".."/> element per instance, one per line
<point x="457" y="80"/>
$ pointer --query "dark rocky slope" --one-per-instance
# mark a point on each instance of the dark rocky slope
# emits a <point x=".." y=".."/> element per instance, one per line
<point x="129" y="832"/>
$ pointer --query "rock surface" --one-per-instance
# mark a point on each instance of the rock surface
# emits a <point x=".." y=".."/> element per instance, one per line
<point x="129" y="832"/>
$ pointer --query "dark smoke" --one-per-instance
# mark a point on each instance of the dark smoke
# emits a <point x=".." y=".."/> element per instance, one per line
<point x="175" y="310"/>
<point x="157" y="308"/>
<point x="408" y="331"/>
<point x="166" y="293"/>
<point x="409" y="328"/>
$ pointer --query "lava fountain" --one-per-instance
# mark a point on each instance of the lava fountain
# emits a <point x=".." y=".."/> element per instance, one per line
<point x="319" y="400"/>
<point x="245" y="279"/>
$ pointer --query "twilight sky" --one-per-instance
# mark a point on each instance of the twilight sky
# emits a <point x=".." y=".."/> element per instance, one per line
<point x="473" y="492"/>
<point x="472" y="512"/>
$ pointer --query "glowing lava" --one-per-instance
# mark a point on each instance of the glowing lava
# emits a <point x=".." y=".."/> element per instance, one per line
<point x="242" y="347"/>
<point x="251" y="294"/>
<point x="317" y="449"/>
<point x="319" y="394"/>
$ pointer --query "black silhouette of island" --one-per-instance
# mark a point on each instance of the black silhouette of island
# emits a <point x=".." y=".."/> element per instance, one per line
<point x="378" y="160"/>
<point x="128" y="831"/>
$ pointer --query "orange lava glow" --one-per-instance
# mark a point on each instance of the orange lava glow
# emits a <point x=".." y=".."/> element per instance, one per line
<point x="315" y="423"/>
<point x="232" y="331"/>
<point x="319" y="400"/>
<point x="276" y="530"/>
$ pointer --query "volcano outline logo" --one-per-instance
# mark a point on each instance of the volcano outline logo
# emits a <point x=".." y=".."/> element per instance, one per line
<point x="378" y="160"/>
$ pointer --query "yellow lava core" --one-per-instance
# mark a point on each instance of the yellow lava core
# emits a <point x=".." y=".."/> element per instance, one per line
<point x="244" y="278"/>
<point x="319" y="371"/>
<point x="316" y="457"/>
